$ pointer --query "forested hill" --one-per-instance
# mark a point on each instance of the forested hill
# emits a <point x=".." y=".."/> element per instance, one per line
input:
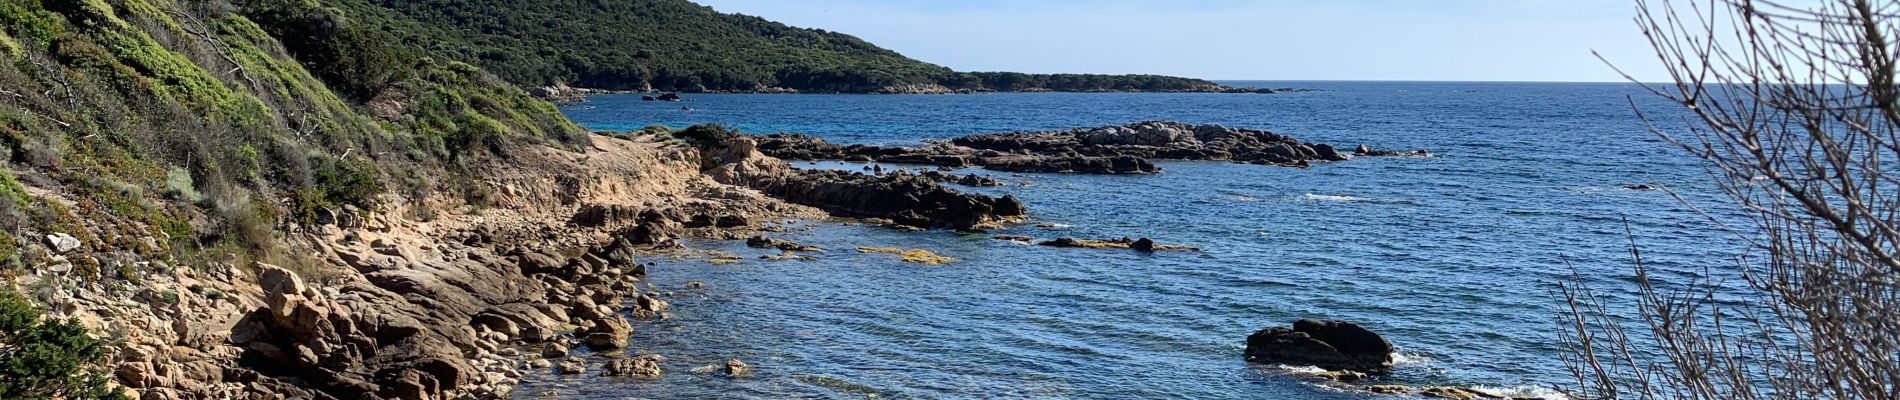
<point x="679" y="45"/>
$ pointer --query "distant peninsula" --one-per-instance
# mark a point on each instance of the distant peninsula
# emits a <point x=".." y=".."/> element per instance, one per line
<point x="679" y="46"/>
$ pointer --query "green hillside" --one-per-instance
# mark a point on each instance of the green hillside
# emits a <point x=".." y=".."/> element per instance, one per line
<point x="678" y="45"/>
<point x="193" y="121"/>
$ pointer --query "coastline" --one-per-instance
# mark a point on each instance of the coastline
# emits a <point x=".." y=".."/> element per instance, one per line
<point x="563" y="93"/>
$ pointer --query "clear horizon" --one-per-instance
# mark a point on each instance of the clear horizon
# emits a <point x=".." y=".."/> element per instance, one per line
<point x="1453" y="40"/>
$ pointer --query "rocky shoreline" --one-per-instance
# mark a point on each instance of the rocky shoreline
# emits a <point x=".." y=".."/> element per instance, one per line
<point x="1118" y="149"/>
<point x="459" y="305"/>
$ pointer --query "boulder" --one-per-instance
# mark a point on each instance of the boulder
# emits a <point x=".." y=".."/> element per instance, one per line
<point x="610" y="333"/>
<point x="1331" y="345"/>
<point x="648" y="306"/>
<point x="62" y="243"/>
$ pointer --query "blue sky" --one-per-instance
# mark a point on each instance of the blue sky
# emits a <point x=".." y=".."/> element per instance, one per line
<point x="1472" y="40"/>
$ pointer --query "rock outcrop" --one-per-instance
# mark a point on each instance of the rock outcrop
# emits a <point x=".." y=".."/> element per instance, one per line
<point x="906" y="199"/>
<point x="1120" y="149"/>
<point x="1331" y="345"/>
<point x="1143" y="244"/>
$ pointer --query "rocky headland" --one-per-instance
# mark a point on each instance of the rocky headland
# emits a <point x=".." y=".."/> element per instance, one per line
<point x="905" y="199"/>
<point x="1119" y="149"/>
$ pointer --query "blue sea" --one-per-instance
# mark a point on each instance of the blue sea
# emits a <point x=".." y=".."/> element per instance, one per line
<point x="1455" y="258"/>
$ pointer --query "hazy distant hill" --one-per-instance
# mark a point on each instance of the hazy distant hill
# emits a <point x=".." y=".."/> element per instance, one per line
<point x="679" y="45"/>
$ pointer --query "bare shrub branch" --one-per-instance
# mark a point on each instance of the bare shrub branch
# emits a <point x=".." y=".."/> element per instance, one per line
<point x="1793" y="111"/>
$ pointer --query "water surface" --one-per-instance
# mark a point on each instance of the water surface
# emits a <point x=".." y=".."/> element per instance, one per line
<point x="1452" y="257"/>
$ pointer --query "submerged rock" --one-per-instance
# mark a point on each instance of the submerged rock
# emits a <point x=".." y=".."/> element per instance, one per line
<point x="915" y="256"/>
<point x="1331" y="345"/>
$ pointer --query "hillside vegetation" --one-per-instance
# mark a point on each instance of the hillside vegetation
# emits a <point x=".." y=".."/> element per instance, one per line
<point x="190" y="121"/>
<point x="678" y="45"/>
<point x="139" y="138"/>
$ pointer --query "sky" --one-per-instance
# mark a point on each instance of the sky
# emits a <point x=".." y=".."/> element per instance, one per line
<point x="1431" y="40"/>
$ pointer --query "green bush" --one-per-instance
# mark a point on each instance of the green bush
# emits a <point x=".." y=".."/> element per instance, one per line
<point x="47" y="359"/>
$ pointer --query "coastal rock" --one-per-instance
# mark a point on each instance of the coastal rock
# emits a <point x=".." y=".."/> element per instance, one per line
<point x="648" y="306"/>
<point x="1118" y="149"/>
<point x="553" y="350"/>
<point x="1143" y="244"/>
<point x="907" y="199"/>
<point x="1331" y="345"/>
<point x="645" y="366"/>
<point x="914" y="256"/>
<point x="762" y="242"/>
<point x="610" y="333"/>
<point x="571" y="366"/>
<point x="734" y="367"/>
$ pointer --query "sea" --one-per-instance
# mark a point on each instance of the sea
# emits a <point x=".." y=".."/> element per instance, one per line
<point x="1456" y="258"/>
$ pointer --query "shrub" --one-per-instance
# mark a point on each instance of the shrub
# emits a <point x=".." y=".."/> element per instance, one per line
<point x="47" y="359"/>
<point x="178" y="186"/>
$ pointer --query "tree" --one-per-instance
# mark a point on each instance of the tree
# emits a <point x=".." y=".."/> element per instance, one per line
<point x="1794" y="113"/>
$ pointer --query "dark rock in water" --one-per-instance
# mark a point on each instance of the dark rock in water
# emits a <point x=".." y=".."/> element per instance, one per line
<point x="1144" y="244"/>
<point x="1332" y="345"/>
<point x="735" y="367"/>
<point x="1328" y="153"/>
<point x="783" y="245"/>
<point x="1641" y="186"/>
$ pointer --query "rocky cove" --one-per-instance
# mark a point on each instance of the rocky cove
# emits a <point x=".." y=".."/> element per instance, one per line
<point x="463" y="304"/>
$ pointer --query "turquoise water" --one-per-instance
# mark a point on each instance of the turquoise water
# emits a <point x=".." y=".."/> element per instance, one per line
<point x="1453" y="257"/>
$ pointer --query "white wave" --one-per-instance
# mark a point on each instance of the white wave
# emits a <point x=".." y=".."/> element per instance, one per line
<point x="1400" y="359"/>
<point x="1525" y="391"/>
<point x="1332" y="197"/>
<point x="1299" y="369"/>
